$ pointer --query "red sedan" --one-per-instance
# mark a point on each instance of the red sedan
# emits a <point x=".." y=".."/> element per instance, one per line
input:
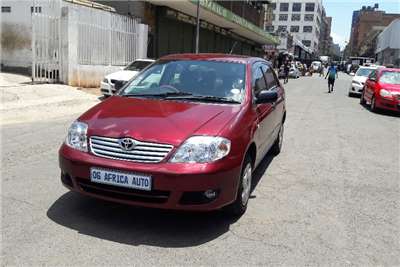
<point x="186" y="133"/>
<point x="382" y="89"/>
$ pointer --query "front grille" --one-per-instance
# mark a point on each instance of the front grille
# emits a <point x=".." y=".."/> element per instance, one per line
<point x="143" y="151"/>
<point x="122" y="193"/>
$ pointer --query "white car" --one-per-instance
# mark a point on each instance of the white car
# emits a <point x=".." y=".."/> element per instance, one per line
<point x="357" y="84"/>
<point x="316" y="66"/>
<point x="294" y="72"/>
<point x="112" y="82"/>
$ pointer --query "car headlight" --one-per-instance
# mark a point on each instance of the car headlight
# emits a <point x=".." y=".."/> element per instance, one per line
<point x="385" y="93"/>
<point x="77" y="136"/>
<point x="105" y="80"/>
<point x="202" y="149"/>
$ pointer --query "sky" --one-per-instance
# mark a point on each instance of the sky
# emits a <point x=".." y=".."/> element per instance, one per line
<point x="341" y="12"/>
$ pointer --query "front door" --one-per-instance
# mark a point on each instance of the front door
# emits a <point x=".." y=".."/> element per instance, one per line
<point x="263" y="112"/>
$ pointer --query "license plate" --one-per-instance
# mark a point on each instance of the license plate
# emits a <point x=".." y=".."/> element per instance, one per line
<point x="123" y="179"/>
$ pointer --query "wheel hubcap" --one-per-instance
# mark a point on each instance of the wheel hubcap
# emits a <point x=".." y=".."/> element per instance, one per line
<point x="246" y="184"/>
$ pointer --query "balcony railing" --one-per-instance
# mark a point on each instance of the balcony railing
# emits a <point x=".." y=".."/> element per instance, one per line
<point x="252" y="11"/>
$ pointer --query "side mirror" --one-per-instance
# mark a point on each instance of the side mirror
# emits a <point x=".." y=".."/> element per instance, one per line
<point x="265" y="96"/>
<point x="352" y="74"/>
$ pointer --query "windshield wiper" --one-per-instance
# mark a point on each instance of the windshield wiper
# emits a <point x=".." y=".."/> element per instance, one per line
<point x="207" y="98"/>
<point x="162" y="95"/>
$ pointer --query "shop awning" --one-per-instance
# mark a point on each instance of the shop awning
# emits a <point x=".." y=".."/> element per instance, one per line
<point x="222" y="17"/>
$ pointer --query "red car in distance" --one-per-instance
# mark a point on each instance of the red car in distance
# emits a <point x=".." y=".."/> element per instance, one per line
<point x="186" y="133"/>
<point x="382" y="89"/>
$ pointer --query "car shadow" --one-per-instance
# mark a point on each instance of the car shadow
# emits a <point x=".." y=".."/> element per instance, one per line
<point x="259" y="172"/>
<point x="382" y="112"/>
<point x="143" y="226"/>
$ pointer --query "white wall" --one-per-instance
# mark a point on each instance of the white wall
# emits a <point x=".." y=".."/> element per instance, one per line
<point x="16" y="34"/>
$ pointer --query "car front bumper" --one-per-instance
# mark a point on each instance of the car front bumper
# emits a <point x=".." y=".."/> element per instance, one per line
<point x="174" y="185"/>
<point x="107" y="88"/>
<point x="356" y="89"/>
<point x="389" y="104"/>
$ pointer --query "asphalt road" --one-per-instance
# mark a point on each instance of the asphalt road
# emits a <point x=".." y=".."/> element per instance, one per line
<point x="332" y="197"/>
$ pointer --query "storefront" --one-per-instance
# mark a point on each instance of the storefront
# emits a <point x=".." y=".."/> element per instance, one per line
<point x="220" y="30"/>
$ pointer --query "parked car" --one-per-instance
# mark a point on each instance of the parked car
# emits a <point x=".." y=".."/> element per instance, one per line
<point x="316" y="66"/>
<point x="382" y="89"/>
<point x="358" y="81"/>
<point x="185" y="133"/>
<point x="112" y="82"/>
<point x="294" y="72"/>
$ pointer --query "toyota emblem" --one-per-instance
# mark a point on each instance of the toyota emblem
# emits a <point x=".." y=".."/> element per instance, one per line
<point x="127" y="143"/>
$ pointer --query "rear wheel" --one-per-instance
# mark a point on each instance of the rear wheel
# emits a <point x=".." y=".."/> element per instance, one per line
<point x="239" y="207"/>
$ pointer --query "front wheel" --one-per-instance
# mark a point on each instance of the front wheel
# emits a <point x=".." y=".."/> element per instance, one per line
<point x="362" y="99"/>
<point x="373" y="104"/>
<point x="239" y="207"/>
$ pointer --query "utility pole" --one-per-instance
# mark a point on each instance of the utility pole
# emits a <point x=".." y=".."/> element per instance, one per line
<point x="198" y="27"/>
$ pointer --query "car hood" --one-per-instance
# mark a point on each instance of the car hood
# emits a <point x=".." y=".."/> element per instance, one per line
<point x="391" y="87"/>
<point x="122" y="75"/>
<point x="360" y="79"/>
<point x="162" y="121"/>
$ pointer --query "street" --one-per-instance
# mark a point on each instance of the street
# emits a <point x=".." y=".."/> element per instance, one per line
<point x="332" y="197"/>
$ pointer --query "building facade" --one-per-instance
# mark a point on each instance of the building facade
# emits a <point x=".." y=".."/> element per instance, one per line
<point x="363" y="21"/>
<point x="225" y="26"/>
<point x="301" y="18"/>
<point x="388" y="45"/>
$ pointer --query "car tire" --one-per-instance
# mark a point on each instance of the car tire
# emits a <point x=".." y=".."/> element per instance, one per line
<point x="373" y="104"/>
<point x="277" y="146"/>
<point x="239" y="206"/>
<point x="362" y="99"/>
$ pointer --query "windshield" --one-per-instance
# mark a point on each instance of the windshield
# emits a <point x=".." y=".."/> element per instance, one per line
<point x="390" y="77"/>
<point x="138" y="65"/>
<point x="189" y="79"/>
<point x="363" y="72"/>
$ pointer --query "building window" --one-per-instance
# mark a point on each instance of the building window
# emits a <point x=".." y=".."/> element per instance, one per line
<point x="283" y="17"/>
<point x="307" y="29"/>
<point x="310" y="7"/>
<point x="282" y="28"/>
<point x="5" y="9"/>
<point x="294" y="28"/>
<point x="273" y="17"/>
<point x="269" y="28"/>
<point x="306" y="43"/>
<point x="309" y="17"/>
<point x="273" y="6"/>
<point x="296" y="7"/>
<point x="38" y="9"/>
<point x="296" y="17"/>
<point x="284" y="7"/>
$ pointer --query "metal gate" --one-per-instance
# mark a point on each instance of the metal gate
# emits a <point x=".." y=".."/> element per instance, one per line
<point x="46" y="42"/>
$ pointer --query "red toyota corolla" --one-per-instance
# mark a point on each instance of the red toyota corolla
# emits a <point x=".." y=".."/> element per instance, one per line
<point x="382" y="89"/>
<point x="186" y="133"/>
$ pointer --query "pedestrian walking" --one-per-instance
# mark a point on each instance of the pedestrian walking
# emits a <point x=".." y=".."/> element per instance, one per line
<point x="332" y="75"/>
<point x="286" y="69"/>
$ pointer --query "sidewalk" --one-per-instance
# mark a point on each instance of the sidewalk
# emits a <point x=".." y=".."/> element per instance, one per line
<point x="22" y="101"/>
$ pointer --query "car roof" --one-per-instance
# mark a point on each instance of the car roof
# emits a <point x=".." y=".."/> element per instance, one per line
<point x="214" y="57"/>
